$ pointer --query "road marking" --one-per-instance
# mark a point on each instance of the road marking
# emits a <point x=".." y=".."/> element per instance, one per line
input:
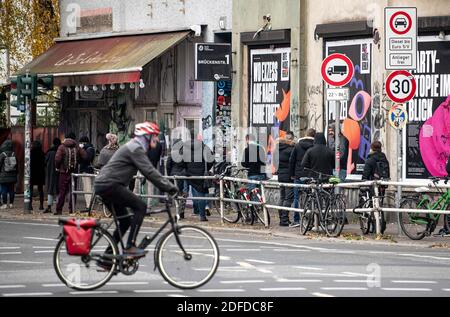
<point x="282" y="289"/>
<point x="324" y="274"/>
<point x="9" y="248"/>
<point x="344" y="288"/>
<point x="290" y="250"/>
<point x="221" y="290"/>
<point x="352" y="274"/>
<point x="20" y="262"/>
<point x="251" y="266"/>
<point x="350" y="281"/>
<point x="144" y="291"/>
<point x="27" y="294"/>
<point x="53" y="285"/>
<point x="407" y="289"/>
<point x="37" y="238"/>
<point x="322" y="295"/>
<point x="259" y="261"/>
<point x="177" y="295"/>
<point x="29" y="224"/>
<point x="242" y="282"/>
<point x="285" y="280"/>
<point x="127" y="283"/>
<point x="381" y="252"/>
<point x="414" y="282"/>
<point x="10" y="253"/>
<point x="44" y="251"/>
<point x="272" y="243"/>
<point x="424" y="256"/>
<point x="49" y="247"/>
<point x="446" y="289"/>
<point x="93" y="292"/>
<point x="11" y="286"/>
<point x="308" y="268"/>
<point x="243" y="250"/>
<point x="338" y="252"/>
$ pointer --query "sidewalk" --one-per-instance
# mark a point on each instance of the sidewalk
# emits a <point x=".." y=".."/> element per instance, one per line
<point x="350" y="234"/>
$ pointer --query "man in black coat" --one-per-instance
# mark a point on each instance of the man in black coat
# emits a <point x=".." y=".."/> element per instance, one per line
<point x="296" y="170"/>
<point x="377" y="165"/>
<point x="319" y="159"/>
<point x="198" y="160"/>
<point x="281" y="156"/>
<point x="255" y="160"/>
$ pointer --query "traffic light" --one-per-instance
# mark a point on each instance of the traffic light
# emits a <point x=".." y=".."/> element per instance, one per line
<point x="20" y="90"/>
<point x="46" y="82"/>
<point x="32" y="90"/>
<point x="16" y="89"/>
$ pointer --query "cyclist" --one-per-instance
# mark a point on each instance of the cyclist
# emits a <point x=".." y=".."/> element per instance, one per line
<point x="112" y="183"/>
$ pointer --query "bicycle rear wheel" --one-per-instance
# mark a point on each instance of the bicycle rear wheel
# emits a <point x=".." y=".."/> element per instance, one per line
<point x="230" y="210"/>
<point x="197" y="267"/>
<point x="307" y="217"/>
<point x="414" y="225"/>
<point x="334" y="218"/>
<point x="365" y="218"/>
<point x="87" y="272"/>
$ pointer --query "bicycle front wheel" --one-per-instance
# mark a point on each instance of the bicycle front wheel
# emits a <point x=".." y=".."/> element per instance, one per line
<point x="307" y="217"/>
<point x="194" y="266"/>
<point x="88" y="272"/>
<point x="414" y="225"/>
<point x="334" y="218"/>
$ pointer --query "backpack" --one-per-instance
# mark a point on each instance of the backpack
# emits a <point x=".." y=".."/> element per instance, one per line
<point x="70" y="158"/>
<point x="10" y="163"/>
<point x="381" y="170"/>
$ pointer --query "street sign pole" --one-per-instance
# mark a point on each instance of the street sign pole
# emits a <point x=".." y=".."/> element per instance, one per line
<point x="337" y="129"/>
<point x="27" y="171"/>
<point x="399" y="175"/>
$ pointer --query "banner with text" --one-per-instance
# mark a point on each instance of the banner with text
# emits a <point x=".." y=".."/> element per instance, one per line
<point x="426" y="145"/>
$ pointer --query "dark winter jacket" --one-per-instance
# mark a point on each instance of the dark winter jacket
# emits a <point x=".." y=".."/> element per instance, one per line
<point x="254" y="159"/>
<point x="155" y="155"/>
<point x="281" y="157"/>
<point x="86" y="163"/>
<point x="370" y="168"/>
<point x="52" y="176"/>
<point x="37" y="166"/>
<point x="343" y="145"/>
<point x="7" y="177"/>
<point x="319" y="158"/>
<point x="198" y="159"/>
<point x="175" y="164"/>
<point x="105" y="155"/>
<point x="124" y="165"/>
<point x="60" y="158"/>
<point x="297" y="156"/>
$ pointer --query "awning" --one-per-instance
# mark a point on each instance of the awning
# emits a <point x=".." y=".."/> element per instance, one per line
<point x="108" y="60"/>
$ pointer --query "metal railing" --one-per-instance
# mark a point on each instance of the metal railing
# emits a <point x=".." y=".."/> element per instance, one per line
<point x="263" y="185"/>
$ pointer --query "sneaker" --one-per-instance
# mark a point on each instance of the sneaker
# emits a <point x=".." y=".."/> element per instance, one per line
<point x="3" y="207"/>
<point x="295" y="224"/>
<point x="11" y="206"/>
<point x="48" y="210"/>
<point x="203" y="219"/>
<point x="207" y="212"/>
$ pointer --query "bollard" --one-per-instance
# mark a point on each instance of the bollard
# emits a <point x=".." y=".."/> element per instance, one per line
<point x="376" y="207"/>
<point x="263" y="195"/>
<point x="221" y="201"/>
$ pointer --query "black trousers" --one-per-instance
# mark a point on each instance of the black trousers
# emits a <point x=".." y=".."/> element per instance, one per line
<point x="121" y="198"/>
<point x="286" y="200"/>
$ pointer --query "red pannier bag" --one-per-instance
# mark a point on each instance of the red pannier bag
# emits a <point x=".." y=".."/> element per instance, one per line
<point x="78" y="235"/>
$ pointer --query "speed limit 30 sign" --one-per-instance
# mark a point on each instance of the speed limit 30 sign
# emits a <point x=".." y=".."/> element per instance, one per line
<point x="401" y="86"/>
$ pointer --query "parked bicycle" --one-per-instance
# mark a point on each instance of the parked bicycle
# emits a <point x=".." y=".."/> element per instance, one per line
<point x="420" y="225"/>
<point x="367" y="220"/>
<point x="325" y="204"/>
<point x="186" y="256"/>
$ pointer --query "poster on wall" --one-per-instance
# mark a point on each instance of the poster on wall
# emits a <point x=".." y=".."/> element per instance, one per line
<point x="426" y="139"/>
<point x="269" y="92"/>
<point x="223" y="110"/>
<point x="356" y="114"/>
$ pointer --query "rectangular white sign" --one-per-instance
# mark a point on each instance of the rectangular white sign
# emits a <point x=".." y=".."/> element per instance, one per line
<point x="338" y="94"/>
<point x="400" y="25"/>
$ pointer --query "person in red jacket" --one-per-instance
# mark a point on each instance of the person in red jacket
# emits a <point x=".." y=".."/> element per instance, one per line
<point x="67" y="159"/>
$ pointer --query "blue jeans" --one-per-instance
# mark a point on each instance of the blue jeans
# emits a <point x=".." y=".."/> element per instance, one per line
<point x="296" y="199"/>
<point x="7" y="188"/>
<point x="199" y="205"/>
<point x="251" y="187"/>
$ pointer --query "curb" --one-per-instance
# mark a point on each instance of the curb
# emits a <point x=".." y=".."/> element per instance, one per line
<point x="261" y="232"/>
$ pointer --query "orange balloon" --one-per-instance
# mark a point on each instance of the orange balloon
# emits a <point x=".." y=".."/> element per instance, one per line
<point x="352" y="131"/>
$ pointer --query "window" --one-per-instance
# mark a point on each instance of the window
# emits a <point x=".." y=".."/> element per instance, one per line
<point x="151" y="115"/>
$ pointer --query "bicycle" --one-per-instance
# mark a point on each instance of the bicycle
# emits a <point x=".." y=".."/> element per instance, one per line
<point x="420" y="225"/>
<point x="326" y="205"/>
<point x="186" y="256"/>
<point x="367" y="220"/>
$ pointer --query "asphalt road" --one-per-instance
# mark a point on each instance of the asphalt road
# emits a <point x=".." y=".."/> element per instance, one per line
<point x="251" y="266"/>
